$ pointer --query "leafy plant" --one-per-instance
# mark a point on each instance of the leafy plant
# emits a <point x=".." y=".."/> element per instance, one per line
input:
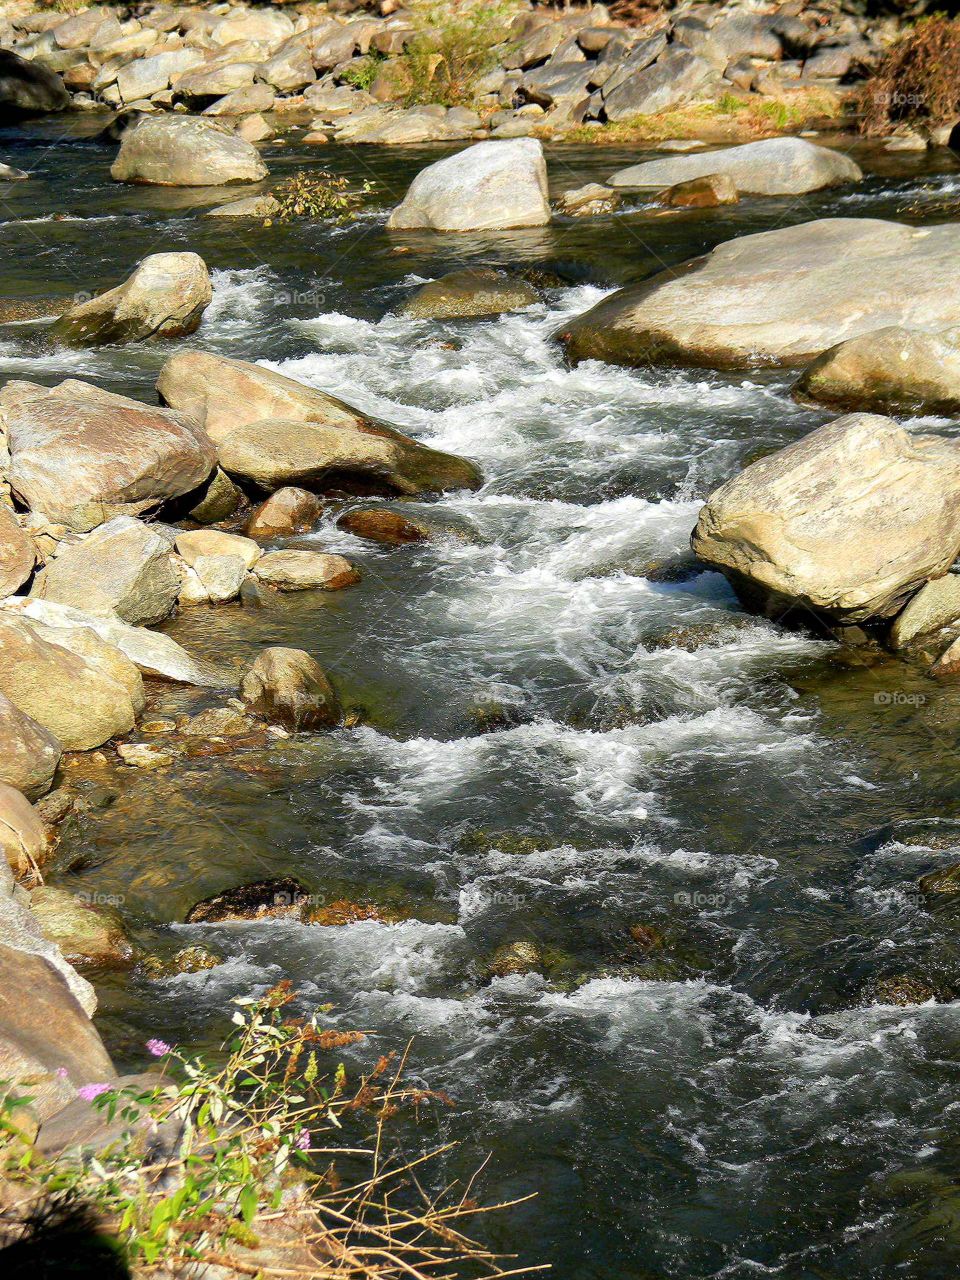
<point x="219" y="1161"/>
<point x="363" y="71"/>
<point x="455" y="43"/>
<point x="918" y="82"/>
<point x="320" y="194"/>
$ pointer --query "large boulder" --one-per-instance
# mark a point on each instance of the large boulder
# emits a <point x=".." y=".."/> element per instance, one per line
<point x="288" y="687"/>
<point x="81" y="455"/>
<point x="273" y="431"/>
<point x="86" y="934"/>
<point x="185" y="151"/>
<point x="71" y="696"/>
<point x="29" y="754"/>
<point x="678" y="76"/>
<point x="28" y="88"/>
<point x="472" y="292"/>
<point x="488" y="187"/>
<point x="779" y="297"/>
<point x="772" y="167"/>
<point x="123" y="568"/>
<point x="848" y="521"/>
<point x="18" y="553"/>
<point x="892" y="369"/>
<point x="165" y="297"/>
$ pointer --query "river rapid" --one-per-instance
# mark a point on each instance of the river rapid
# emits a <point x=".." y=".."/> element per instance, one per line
<point x="567" y="730"/>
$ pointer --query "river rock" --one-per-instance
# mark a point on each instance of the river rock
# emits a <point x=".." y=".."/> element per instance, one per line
<point x="282" y="898"/>
<point x="28" y="88"/>
<point x="848" y="521"/>
<point x="82" y="455"/>
<point x="211" y="542"/>
<point x="772" y="167"/>
<point x="589" y="200"/>
<point x="18" y="553"/>
<point x="288" y="687"/>
<point x="244" y="101"/>
<point x="215" y="579"/>
<point x="702" y="193"/>
<point x="214" y="80"/>
<point x="86" y="934"/>
<point x="72" y="697"/>
<point x="892" y="369"/>
<point x="24" y="839"/>
<point x="249" y="207"/>
<point x="219" y="500"/>
<point x="471" y="292"/>
<point x="488" y="187"/>
<point x="285" y="512"/>
<point x="678" y="76"/>
<point x="140" y="78"/>
<point x="185" y="151"/>
<point x="301" y="570"/>
<point x="165" y="297"/>
<point x="123" y="568"/>
<point x="934" y="606"/>
<point x="779" y="297"/>
<point x="153" y="653"/>
<point x="386" y="527"/>
<point x="29" y="754"/>
<point x="87" y="644"/>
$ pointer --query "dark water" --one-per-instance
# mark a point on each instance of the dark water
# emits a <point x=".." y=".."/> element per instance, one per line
<point x="733" y="1104"/>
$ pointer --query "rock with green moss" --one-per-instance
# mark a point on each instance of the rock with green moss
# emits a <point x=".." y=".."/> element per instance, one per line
<point x="186" y="960"/>
<point x="515" y="958"/>
<point x="85" y="933"/>
<point x="471" y="293"/>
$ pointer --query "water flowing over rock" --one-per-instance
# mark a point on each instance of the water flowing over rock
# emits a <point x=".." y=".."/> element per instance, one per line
<point x="288" y="687"/>
<point x="779" y="297"/>
<point x="71" y="696"/>
<point x="490" y="186"/>
<point x="473" y="292"/>
<point x="183" y="151"/>
<point x="849" y="521"/>
<point x="165" y="297"/>
<point x="123" y="568"/>
<point x="29" y="754"/>
<point x="890" y="369"/>
<point x="273" y="431"/>
<point x="773" y="167"/>
<point x="28" y="88"/>
<point x="81" y="455"/>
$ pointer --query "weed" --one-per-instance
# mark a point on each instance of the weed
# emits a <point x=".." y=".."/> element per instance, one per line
<point x="455" y="43"/>
<point x="918" y="82"/>
<point x="319" y="195"/>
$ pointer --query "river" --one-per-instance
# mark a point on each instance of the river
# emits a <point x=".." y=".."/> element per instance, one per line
<point x="566" y="730"/>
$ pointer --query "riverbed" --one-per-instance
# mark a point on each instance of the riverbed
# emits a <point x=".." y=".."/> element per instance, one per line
<point x="566" y="729"/>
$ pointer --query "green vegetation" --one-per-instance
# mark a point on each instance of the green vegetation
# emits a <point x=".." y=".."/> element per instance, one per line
<point x="319" y="195"/>
<point x="363" y="71"/>
<point x="262" y="1162"/>
<point x="918" y="82"/>
<point x="456" y="42"/>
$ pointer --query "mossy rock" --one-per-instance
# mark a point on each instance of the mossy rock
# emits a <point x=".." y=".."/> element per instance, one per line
<point x="944" y="880"/>
<point x="186" y="960"/>
<point x="515" y="959"/>
<point x="899" y="989"/>
<point x="85" y="933"/>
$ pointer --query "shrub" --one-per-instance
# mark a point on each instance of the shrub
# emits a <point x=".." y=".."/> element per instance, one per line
<point x="319" y="195"/>
<point x="918" y="82"/>
<point x="362" y="73"/>
<point x="455" y="43"/>
<point x="265" y="1149"/>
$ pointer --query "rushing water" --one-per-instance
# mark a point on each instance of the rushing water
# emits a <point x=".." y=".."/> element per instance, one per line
<point x="553" y="747"/>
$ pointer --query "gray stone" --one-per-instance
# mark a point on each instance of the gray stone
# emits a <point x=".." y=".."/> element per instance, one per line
<point x="934" y="606"/>
<point x="677" y="77"/>
<point x="185" y="151"/>
<point x="774" y="166"/>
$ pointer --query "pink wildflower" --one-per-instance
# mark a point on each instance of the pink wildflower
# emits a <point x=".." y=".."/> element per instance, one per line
<point x="90" y="1091"/>
<point x="158" y="1047"/>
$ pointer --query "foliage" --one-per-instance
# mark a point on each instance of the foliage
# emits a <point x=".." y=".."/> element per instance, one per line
<point x="319" y="194"/>
<point x="455" y="43"/>
<point x="918" y="82"/>
<point x="213" y="1157"/>
<point x="362" y="72"/>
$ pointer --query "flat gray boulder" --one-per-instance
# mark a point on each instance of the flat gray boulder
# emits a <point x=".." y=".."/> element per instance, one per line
<point x="488" y="187"/>
<point x="849" y="521"/>
<point x="773" y="167"/>
<point x="779" y="297"/>
<point x="889" y="370"/>
<point x="678" y="76"/>
<point x="185" y="151"/>
<point x="165" y="297"/>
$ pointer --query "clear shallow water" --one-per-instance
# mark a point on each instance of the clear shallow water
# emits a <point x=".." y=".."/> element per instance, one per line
<point x="731" y="1105"/>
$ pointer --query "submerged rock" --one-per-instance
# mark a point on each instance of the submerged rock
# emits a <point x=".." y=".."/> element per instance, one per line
<point x="771" y="167"/>
<point x="944" y="880"/>
<point x="29" y="754"/>
<point x="779" y="297"/>
<point x="288" y="687"/>
<point x="283" y="898"/>
<point x="470" y="293"/>
<point x="186" y="960"/>
<point x="165" y="297"/>
<point x="515" y="958"/>
<point x="892" y="369"/>
<point x="249" y="207"/>
<point x="185" y="151"/>
<point x="81" y="455"/>
<point x="900" y="989"/>
<point x="490" y="186"/>
<point x="84" y="933"/>
<point x="848" y="521"/>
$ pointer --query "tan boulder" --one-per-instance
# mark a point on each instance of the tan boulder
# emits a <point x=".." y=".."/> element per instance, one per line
<point x="935" y="605"/>
<point x="708" y="192"/>
<point x="82" y="455"/>
<point x="18" y="553"/>
<point x="288" y="687"/>
<point x="285" y="512"/>
<point x="29" y="754"/>
<point x="86" y="934"/>
<point x="849" y="521"/>
<point x="469" y="293"/>
<point x="211" y="542"/>
<point x="386" y="527"/>
<point x="165" y="297"/>
<point x="185" y="151"/>
<point x="214" y="579"/>
<point x="889" y="370"/>
<point x="71" y="696"/>
<point x="301" y="570"/>
<point x="24" y="838"/>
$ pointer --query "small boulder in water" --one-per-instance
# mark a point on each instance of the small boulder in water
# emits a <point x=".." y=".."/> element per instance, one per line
<point x="471" y="293"/>
<point x="934" y="606"/>
<point x="900" y="989"/>
<point x="515" y="958"/>
<point x="288" y="687"/>
<point x="186" y="960"/>
<point x="305" y="570"/>
<point x="165" y="297"/>
<point x="288" y="511"/>
<point x="386" y="527"/>
<point x="185" y="151"/>
<point x="945" y="880"/>
<point x="708" y="192"/>
<point x="283" y="898"/>
<point x="86" y="934"/>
